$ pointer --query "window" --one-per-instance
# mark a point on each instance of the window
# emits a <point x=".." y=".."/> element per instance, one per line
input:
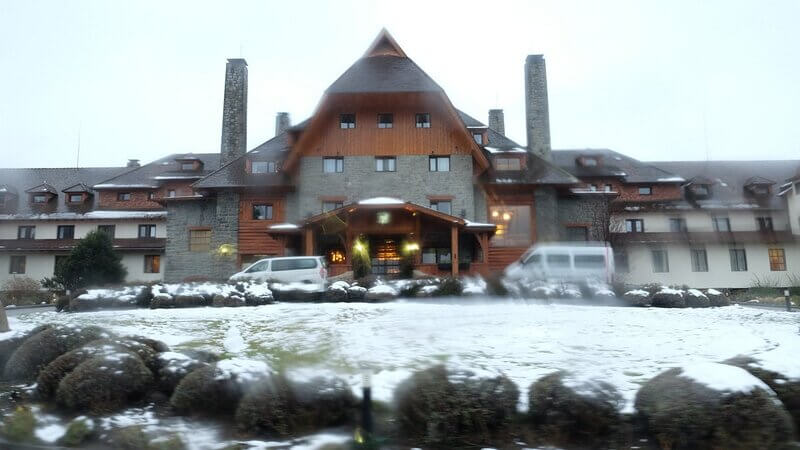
<point x="17" y="265"/>
<point x="436" y="256"/>
<point x="513" y="225"/>
<point x="423" y="120"/>
<point x="40" y="198"/>
<point x="152" y="263"/>
<point x="700" y="190"/>
<point x="59" y="260"/>
<point x="660" y="261"/>
<point x="385" y="120"/>
<point x="330" y="206"/>
<point x="262" y="212"/>
<point x="385" y="164"/>
<point x="147" y="231"/>
<point x="109" y="230"/>
<point x="621" y="260"/>
<point x="333" y="164"/>
<point x="443" y="206"/>
<point x="439" y="164"/>
<point x="593" y="187"/>
<point x="293" y="264"/>
<point x="65" y="232"/>
<point x="123" y="196"/>
<point x="556" y="261"/>
<point x="608" y="188"/>
<point x="764" y="223"/>
<point x="478" y="137"/>
<point x="577" y="233"/>
<point x="26" y="232"/>
<point x="260" y="266"/>
<point x="590" y="261"/>
<point x="75" y="198"/>
<point x="507" y="163"/>
<point x="151" y="195"/>
<point x="589" y="162"/>
<point x="645" y="190"/>
<point x="347" y="121"/>
<point x="263" y="167"/>
<point x="187" y="166"/>
<point x="677" y="224"/>
<point x="777" y="259"/>
<point x="738" y="260"/>
<point x="721" y="223"/>
<point x="171" y="193"/>
<point x="200" y="240"/>
<point x="634" y="225"/>
<point x="699" y="260"/>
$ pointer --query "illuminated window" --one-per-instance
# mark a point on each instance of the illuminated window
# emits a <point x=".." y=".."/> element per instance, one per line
<point x="383" y="217"/>
<point x="777" y="259"/>
<point x="336" y="257"/>
<point x="513" y="225"/>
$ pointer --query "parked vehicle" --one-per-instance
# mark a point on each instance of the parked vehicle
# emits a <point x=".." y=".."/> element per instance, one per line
<point x="292" y="269"/>
<point x="568" y="261"/>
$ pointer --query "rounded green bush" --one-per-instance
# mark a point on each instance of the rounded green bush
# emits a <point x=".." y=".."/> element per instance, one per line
<point x="787" y="389"/>
<point x="20" y="425"/>
<point x="202" y="392"/>
<point x="78" y="432"/>
<point x="9" y="346"/>
<point x="51" y="375"/>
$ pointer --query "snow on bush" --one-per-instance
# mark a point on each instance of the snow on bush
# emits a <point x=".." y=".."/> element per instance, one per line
<point x="241" y="370"/>
<point x="474" y="286"/>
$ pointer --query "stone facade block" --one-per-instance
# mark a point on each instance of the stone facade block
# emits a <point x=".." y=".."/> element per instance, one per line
<point x="546" y="208"/>
<point x="497" y="121"/>
<point x="234" y="111"/>
<point x="537" y="112"/>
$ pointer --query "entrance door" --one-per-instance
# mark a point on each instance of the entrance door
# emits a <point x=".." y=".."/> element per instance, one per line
<point x="386" y="258"/>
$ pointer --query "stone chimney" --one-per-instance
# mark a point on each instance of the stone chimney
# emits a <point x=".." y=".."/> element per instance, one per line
<point x="133" y="163"/>
<point x="537" y="113"/>
<point x="497" y="121"/>
<point x="282" y="122"/>
<point x="234" y="111"/>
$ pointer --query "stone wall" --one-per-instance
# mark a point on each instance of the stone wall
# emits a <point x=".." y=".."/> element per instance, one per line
<point x="546" y="207"/>
<point x="537" y="112"/>
<point x="411" y="182"/>
<point x="222" y="216"/>
<point x="234" y="111"/>
<point x="588" y="211"/>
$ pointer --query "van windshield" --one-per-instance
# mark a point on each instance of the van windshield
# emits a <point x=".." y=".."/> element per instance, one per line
<point x="293" y="264"/>
<point x="260" y="266"/>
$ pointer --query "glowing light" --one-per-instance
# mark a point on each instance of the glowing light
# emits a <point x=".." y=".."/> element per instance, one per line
<point x="506" y="216"/>
<point x="336" y="256"/>
<point x="383" y="217"/>
<point x="411" y="247"/>
<point x="495" y="213"/>
<point x="359" y="247"/>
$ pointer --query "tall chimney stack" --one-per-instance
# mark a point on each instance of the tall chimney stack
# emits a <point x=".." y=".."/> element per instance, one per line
<point x="282" y="122"/>
<point x="537" y="113"/>
<point x="234" y="111"/>
<point x="496" y="121"/>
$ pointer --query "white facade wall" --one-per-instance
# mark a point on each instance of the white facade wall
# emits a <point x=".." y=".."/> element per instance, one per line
<point x="719" y="275"/>
<point x="700" y="221"/>
<point x="41" y="265"/>
<point x="793" y="207"/>
<point x="49" y="229"/>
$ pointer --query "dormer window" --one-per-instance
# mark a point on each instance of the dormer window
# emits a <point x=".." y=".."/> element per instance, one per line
<point x="123" y="196"/>
<point x="759" y="189"/>
<point x="187" y="166"/>
<point x="264" y="167"/>
<point x="645" y="190"/>
<point x="385" y="120"/>
<point x="478" y="137"/>
<point x="423" y="120"/>
<point x="347" y="121"/>
<point x="75" y="198"/>
<point x="40" y="198"/>
<point x="588" y="161"/>
<point x="507" y="163"/>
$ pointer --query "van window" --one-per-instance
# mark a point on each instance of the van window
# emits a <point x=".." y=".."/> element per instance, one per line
<point x="534" y="259"/>
<point x="260" y="266"/>
<point x="293" y="264"/>
<point x="558" y="261"/>
<point x="590" y="261"/>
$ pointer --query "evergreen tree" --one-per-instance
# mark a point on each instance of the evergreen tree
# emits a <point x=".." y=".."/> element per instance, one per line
<point x="93" y="262"/>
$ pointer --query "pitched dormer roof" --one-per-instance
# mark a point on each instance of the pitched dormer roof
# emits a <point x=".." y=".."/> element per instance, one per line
<point x="42" y="188"/>
<point x="78" y="188"/>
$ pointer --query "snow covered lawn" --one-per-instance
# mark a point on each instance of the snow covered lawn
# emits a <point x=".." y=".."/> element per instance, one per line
<point x="624" y="346"/>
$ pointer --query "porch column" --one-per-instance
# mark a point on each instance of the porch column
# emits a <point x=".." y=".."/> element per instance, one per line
<point x="309" y="241"/>
<point x="454" y="250"/>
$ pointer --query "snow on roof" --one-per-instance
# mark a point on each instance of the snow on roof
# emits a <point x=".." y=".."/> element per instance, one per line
<point x="477" y="126"/>
<point x="91" y="215"/>
<point x="470" y="223"/>
<point x="591" y="191"/>
<point x="722" y="377"/>
<point x="671" y="179"/>
<point x="381" y="201"/>
<point x="507" y="150"/>
<point x="283" y="226"/>
<point x="177" y="177"/>
<point x="124" y="186"/>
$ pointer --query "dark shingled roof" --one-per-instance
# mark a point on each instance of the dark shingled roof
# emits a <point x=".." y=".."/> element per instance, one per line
<point x="468" y="120"/>
<point x="613" y="164"/>
<point x="234" y="174"/>
<point x="730" y="178"/>
<point x="146" y="175"/>
<point x="18" y="181"/>
<point x="383" y="74"/>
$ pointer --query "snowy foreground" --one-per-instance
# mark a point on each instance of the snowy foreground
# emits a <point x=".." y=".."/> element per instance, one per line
<point x="525" y="341"/>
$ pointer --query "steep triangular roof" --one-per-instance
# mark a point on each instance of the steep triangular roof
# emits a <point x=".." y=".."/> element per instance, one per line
<point x="384" y="45"/>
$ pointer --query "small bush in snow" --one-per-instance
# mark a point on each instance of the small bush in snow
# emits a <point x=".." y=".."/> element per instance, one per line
<point x="575" y="412"/>
<point x="668" y="298"/>
<point x="449" y="287"/>
<point x="280" y="406"/>
<point x="217" y="388"/>
<point x="10" y="345"/>
<point x="787" y="388"/>
<point x="78" y="431"/>
<point x="356" y="293"/>
<point x="19" y="425"/>
<point x="637" y="297"/>
<point x="717" y="298"/>
<point x="712" y="407"/>
<point x="696" y="299"/>
<point x="496" y="286"/>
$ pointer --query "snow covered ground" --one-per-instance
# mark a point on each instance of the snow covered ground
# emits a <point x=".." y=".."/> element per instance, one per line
<point x="622" y="345"/>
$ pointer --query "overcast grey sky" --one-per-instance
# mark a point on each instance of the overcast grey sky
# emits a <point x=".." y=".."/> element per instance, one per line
<point x="656" y="80"/>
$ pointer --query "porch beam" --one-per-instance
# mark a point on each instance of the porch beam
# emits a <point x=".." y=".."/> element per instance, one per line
<point x="309" y="241"/>
<point x="454" y="250"/>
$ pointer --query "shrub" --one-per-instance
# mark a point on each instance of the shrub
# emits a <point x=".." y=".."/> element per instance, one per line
<point x="9" y="346"/>
<point x="787" y="389"/>
<point x="362" y="266"/>
<point x="576" y="413"/>
<point x="175" y="366"/>
<point x="284" y="407"/>
<point x="495" y="285"/>
<point x="201" y="391"/>
<point x="40" y="349"/>
<point x="437" y="407"/>
<point x="20" y="424"/>
<point x="129" y="438"/>
<point x="105" y="383"/>
<point x="637" y="297"/>
<point x="717" y="298"/>
<point x="449" y="287"/>
<point x="696" y="299"/>
<point x="22" y="290"/>
<point x="51" y="375"/>
<point x="682" y="413"/>
<point x="668" y="298"/>
<point x="93" y="262"/>
<point x="78" y="431"/>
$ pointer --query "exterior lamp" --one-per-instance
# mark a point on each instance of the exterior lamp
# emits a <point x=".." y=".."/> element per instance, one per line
<point x="411" y="247"/>
<point x="506" y="217"/>
<point x="359" y="247"/>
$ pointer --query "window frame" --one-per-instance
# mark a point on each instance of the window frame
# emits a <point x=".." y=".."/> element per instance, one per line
<point x="694" y="256"/>
<point x="28" y="236"/>
<point x="681" y="228"/>
<point x="426" y="123"/>
<point x="777" y="261"/>
<point x="477" y="137"/>
<point x="269" y="211"/>
<point x="73" y="202"/>
<point x="197" y="245"/>
<point x="645" y="190"/>
<point x="716" y="220"/>
<point x="113" y="228"/>
<point x="14" y="263"/>
<point x="380" y="163"/>
<point x="434" y="163"/>
<point x="738" y="264"/>
<point x="765" y="223"/>
<point x="269" y="167"/>
<point x="656" y="262"/>
<point x="347" y="124"/>
<point x="157" y="265"/>
<point x="434" y="205"/>
<point x="502" y="163"/>
<point x="338" y="164"/>
<point x="336" y="204"/>
<point x="383" y="124"/>
<point x="187" y="167"/>
<point x="40" y="198"/>
<point x="631" y="228"/>
<point x="61" y="236"/>
<point x="124" y="196"/>
<point x="147" y="227"/>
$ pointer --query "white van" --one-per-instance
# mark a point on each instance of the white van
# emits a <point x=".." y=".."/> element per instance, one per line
<point x="574" y="262"/>
<point x="290" y="269"/>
